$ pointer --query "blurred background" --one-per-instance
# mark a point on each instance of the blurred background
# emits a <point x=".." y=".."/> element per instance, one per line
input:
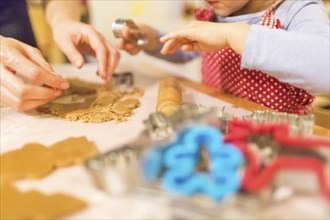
<point x="165" y="15"/>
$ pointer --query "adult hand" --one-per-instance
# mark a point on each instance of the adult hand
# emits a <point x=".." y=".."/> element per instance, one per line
<point x="131" y="33"/>
<point x="206" y="36"/>
<point x="18" y="61"/>
<point x="76" y="38"/>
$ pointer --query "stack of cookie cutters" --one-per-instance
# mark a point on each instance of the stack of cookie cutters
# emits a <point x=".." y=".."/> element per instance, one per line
<point x="159" y="130"/>
<point x="298" y="124"/>
<point x="266" y="146"/>
<point x="138" y="167"/>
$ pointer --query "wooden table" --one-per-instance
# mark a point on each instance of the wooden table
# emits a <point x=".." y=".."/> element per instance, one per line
<point x="239" y="102"/>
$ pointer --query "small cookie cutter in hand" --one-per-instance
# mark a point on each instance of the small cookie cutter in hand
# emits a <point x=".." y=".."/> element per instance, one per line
<point x="118" y="26"/>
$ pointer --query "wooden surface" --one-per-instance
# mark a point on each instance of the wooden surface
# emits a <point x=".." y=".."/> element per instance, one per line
<point x="239" y="102"/>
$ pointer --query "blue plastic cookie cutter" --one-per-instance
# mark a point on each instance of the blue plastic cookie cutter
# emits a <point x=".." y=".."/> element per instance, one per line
<point x="179" y="160"/>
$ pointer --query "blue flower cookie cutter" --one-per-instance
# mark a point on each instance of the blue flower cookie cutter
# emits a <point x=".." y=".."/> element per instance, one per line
<point x="180" y="161"/>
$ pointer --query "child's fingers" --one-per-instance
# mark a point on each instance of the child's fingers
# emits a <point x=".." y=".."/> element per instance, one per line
<point x="188" y="47"/>
<point x="132" y="48"/>
<point x="167" y="47"/>
<point x="129" y="47"/>
<point x="130" y="34"/>
<point x="134" y="51"/>
<point x="172" y="45"/>
<point x="120" y="43"/>
<point x="169" y="36"/>
<point x="187" y="34"/>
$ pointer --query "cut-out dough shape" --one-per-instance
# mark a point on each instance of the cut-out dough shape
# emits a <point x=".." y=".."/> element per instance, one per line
<point x="35" y="161"/>
<point x="98" y="108"/>
<point x="35" y="205"/>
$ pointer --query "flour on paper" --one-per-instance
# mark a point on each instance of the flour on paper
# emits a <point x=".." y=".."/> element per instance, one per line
<point x="99" y="103"/>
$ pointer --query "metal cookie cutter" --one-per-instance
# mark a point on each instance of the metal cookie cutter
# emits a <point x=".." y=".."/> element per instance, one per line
<point x="299" y="124"/>
<point x="78" y="96"/>
<point x="122" y="81"/>
<point x="118" y="26"/>
<point x="159" y="130"/>
<point x="116" y="171"/>
<point x="203" y="114"/>
<point x="161" y="127"/>
<point x="147" y="167"/>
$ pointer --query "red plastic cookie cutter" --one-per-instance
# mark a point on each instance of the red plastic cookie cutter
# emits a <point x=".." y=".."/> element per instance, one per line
<point x="287" y="153"/>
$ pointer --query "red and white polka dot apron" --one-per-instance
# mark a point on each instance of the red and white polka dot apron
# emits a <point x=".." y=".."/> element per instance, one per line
<point x="223" y="70"/>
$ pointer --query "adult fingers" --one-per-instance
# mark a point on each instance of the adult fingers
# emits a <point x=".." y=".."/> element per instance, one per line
<point x="22" y="91"/>
<point x="112" y="61"/>
<point x="35" y="55"/>
<point x="34" y="72"/>
<point x="101" y="51"/>
<point x="7" y="98"/>
<point x="19" y="105"/>
<point x="72" y="53"/>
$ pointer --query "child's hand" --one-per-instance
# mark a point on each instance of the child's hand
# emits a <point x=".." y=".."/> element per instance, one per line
<point x="206" y="36"/>
<point x="131" y="34"/>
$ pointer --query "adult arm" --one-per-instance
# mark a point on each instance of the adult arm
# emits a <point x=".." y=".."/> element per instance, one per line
<point x="76" y="38"/>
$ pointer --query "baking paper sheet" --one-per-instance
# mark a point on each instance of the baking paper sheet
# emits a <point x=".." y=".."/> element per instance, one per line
<point x="18" y="129"/>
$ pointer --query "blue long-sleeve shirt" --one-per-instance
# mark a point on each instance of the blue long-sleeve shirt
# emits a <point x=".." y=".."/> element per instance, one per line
<point x="297" y="54"/>
<point x="15" y="22"/>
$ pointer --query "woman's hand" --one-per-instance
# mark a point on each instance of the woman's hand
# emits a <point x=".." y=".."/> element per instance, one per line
<point x="132" y="33"/>
<point x="18" y="61"/>
<point x="206" y="36"/>
<point x="76" y="38"/>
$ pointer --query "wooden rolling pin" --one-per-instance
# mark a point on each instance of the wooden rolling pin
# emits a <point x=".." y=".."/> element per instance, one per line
<point x="169" y="96"/>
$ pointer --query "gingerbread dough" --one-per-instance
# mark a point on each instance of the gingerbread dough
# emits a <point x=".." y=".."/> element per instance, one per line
<point x="101" y="103"/>
<point x="35" y="205"/>
<point x="36" y="161"/>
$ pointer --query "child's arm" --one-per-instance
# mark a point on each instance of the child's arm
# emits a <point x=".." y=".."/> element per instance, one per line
<point x="152" y="46"/>
<point x="298" y="55"/>
<point x="206" y="36"/>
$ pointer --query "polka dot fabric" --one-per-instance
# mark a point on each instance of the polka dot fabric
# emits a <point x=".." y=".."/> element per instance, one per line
<point x="223" y="70"/>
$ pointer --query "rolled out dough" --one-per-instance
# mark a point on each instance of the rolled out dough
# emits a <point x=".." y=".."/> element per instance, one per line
<point x="105" y="105"/>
